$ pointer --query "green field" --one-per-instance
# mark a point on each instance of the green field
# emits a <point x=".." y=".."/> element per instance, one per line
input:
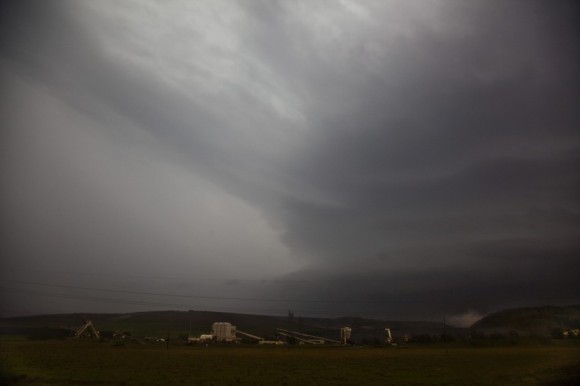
<point x="78" y="362"/>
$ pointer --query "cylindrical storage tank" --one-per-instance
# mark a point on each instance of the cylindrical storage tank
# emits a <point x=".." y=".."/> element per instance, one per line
<point x="345" y="334"/>
<point x="223" y="331"/>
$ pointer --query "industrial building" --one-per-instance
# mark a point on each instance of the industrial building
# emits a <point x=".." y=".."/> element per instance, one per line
<point x="223" y="332"/>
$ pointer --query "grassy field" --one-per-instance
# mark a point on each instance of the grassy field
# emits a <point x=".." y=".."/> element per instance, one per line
<point x="77" y="362"/>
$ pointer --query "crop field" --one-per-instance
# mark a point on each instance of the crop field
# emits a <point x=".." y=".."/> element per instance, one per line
<point x="77" y="362"/>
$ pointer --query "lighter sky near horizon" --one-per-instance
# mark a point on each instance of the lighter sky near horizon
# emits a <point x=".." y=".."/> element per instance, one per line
<point x="387" y="159"/>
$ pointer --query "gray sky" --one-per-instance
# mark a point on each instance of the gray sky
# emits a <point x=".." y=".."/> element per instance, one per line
<point x="392" y="159"/>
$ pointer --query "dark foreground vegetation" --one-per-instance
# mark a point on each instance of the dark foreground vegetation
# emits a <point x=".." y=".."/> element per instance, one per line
<point x="84" y="362"/>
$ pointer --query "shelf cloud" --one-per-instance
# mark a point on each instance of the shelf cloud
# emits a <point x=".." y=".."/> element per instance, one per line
<point x="388" y="159"/>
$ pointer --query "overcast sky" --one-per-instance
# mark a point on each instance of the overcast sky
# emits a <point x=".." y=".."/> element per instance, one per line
<point x="388" y="159"/>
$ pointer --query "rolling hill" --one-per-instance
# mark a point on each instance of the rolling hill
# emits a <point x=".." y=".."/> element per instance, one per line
<point x="531" y="320"/>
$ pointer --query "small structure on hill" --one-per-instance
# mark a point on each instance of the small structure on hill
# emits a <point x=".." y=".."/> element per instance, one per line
<point x="87" y="330"/>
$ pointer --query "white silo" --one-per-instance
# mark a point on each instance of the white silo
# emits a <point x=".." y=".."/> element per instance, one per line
<point x="345" y="334"/>
<point x="223" y="332"/>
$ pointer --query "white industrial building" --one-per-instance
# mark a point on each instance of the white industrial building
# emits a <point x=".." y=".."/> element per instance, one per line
<point x="223" y="332"/>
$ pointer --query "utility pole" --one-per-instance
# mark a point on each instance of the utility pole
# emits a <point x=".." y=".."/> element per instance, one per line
<point x="167" y="339"/>
<point x="445" y="335"/>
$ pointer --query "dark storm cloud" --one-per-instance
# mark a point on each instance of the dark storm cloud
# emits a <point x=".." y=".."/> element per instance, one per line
<point x="426" y="152"/>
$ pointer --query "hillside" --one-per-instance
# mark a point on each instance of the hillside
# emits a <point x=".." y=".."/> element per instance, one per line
<point x="532" y="320"/>
<point x="180" y="323"/>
